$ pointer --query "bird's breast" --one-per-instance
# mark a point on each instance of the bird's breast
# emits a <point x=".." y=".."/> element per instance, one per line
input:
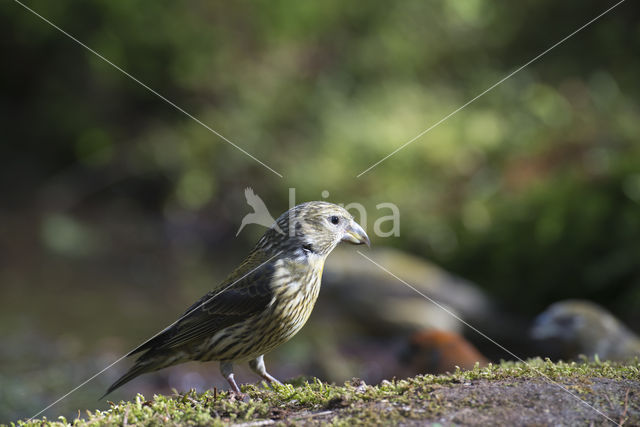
<point x="296" y="291"/>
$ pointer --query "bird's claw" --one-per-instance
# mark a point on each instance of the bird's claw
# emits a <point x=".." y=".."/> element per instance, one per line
<point x="238" y="397"/>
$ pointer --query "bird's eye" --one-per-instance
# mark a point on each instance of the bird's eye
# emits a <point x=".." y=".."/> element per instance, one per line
<point x="334" y="220"/>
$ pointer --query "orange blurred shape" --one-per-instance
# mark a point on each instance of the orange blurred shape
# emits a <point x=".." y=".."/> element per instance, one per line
<point x="437" y="352"/>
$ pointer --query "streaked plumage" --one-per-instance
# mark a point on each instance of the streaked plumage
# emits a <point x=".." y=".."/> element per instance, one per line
<point x="262" y="304"/>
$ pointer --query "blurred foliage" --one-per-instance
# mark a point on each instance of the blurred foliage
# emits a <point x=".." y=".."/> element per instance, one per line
<point x="533" y="191"/>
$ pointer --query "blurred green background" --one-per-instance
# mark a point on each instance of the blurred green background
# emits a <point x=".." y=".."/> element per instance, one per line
<point x="118" y="211"/>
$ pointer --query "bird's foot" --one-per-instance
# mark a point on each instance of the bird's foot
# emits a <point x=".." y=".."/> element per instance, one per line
<point x="238" y="396"/>
<point x="235" y="394"/>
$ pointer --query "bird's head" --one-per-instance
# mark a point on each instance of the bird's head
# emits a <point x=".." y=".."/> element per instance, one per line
<point x="315" y="227"/>
<point x="579" y="327"/>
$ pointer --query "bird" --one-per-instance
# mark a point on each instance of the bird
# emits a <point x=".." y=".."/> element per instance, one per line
<point x="260" y="214"/>
<point x="260" y="305"/>
<point x="437" y="352"/>
<point x="580" y="327"/>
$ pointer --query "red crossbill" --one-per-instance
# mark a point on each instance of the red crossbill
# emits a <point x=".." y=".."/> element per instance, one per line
<point x="262" y="304"/>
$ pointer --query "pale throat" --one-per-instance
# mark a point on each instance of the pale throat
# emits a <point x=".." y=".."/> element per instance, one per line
<point x="300" y="274"/>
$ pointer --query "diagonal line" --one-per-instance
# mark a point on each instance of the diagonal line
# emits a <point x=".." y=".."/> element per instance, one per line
<point x="549" y="380"/>
<point x="182" y="110"/>
<point x="146" y="341"/>
<point x="490" y="88"/>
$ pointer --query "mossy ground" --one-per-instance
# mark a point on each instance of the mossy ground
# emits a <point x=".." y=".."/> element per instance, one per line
<point x="509" y="393"/>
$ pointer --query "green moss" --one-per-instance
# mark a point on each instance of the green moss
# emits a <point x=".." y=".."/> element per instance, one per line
<point x="354" y="402"/>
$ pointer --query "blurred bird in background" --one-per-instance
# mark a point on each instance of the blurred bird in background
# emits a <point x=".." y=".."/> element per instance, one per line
<point x="404" y="310"/>
<point x="437" y="352"/>
<point x="568" y="329"/>
<point x="371" y="302"/>
<point x="379" y="314"/>
<point x="262" y="304"/>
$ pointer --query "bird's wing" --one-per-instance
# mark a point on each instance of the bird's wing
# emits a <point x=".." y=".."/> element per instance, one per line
<point x="246" y="292"/>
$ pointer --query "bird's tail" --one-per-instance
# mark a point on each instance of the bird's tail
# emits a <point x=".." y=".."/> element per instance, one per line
<point x="148" y="362"/>
<point x="137" y="369"/>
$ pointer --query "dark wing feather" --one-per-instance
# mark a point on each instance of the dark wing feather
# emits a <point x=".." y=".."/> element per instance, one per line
<point x="249" y="294"/>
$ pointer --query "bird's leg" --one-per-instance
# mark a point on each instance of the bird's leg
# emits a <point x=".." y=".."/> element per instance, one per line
<point x="226" y="368"/>
<point x="257" y="366"/>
